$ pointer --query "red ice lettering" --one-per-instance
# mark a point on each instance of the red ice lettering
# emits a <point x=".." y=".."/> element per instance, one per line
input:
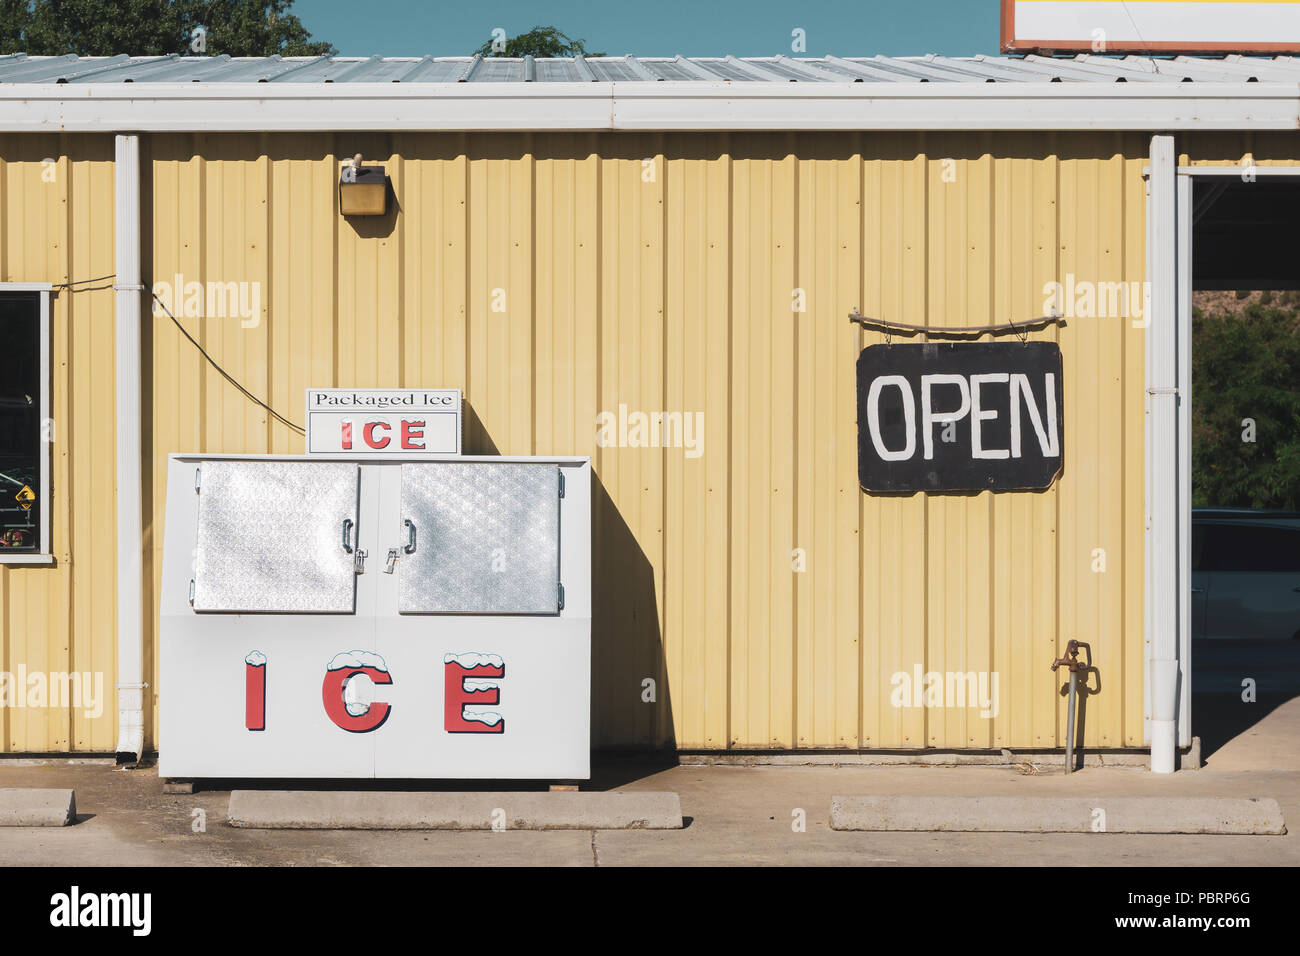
<point x="412" y="430"/>
<point x="456" y="695"/>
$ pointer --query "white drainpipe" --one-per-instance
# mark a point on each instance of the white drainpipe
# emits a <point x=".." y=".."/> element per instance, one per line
<point x="130" y="580"/>
<point x="1163" y="454"/>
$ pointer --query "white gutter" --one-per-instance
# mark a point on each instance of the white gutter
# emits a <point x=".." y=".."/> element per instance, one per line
<point x="669" y="105"/>
<point x="1163" y="484"/>
<point x="130" y="581"/>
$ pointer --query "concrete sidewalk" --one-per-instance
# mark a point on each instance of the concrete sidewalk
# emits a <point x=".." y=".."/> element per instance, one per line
<point x="735" y="815"/>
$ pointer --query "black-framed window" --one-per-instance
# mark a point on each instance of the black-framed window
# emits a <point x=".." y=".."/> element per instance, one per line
<point x="24" y="462"/>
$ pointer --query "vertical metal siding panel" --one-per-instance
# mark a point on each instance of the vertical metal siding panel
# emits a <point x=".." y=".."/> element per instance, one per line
<point x="1012" y="276"/>
<point x="250" y="269"/>
<point x="749" y="467"/>
<point x="762" y="454"/>
<point x="632" y="377"/>
<point x="828" y="647"/>
<point x="943" y="614"/>
<point x="1024" y="256"/>
<point x="699" y="329"/>
<point x="553" y="290"/>
<point x="622" y="583"/>
<point x="177" y="372"/>
<point x="613" y="615"/>
<point x="1078" y="532"/>
<point x="297" y="300"/>
<point x="87" y="541"/>
<point x="815" y="373"/>
<point x="588" y="319"/>
<point x="501" y="342"/>
<point x="434" y="261"/>
<point x="974" y="729"/>
<point x="880" y="636"/>
<point x="1104" y="720"/>
<point x="780" y="263"/>
<point x="650" y="246"/>
<point x="680" y="491"/>
<point x="898" y="294"/>
<point x="716" y="325"/>
<point x="845" y="231"/>
<point x="354" y="263"/>
<point x="520" y="340"/>
<point x="1133" y="662"/>
<point x="391" y="315"/>
<point x="453" y="217"/>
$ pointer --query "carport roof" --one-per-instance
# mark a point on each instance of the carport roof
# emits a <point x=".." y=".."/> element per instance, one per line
<point x="177" y="93"/>
<point x="1086" y="68"/>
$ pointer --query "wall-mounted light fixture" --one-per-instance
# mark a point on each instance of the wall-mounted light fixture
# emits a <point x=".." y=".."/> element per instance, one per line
<point x="363" y="190"/>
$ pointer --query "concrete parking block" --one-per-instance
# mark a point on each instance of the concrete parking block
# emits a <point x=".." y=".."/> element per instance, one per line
<point x="1251" y="815"/>
<point x="28" y="807"/>
<point x="370" y="810"/>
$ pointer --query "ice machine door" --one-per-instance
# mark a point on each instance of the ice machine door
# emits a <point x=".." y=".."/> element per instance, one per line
<point x="480" y="538"/>
<point x="276" y="536"/>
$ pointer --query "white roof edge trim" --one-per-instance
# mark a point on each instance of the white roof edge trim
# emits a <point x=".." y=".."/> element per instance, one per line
<point x="664" y="106"/>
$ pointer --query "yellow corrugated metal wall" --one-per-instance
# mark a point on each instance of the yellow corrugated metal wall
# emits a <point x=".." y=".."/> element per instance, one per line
<point x="56" y="225"/>
<point x="557" y="276"/>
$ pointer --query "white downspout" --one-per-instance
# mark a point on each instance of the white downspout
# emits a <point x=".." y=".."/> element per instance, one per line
<point x="130" y="580"/>
<point x="1163" y="481"/>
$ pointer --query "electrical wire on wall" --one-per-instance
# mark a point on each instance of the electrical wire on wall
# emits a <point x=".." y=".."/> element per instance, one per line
<point x="86" y="285"/>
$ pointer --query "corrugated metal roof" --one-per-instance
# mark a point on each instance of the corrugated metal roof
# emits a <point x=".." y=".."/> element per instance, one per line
<point x="1087" y="68"/>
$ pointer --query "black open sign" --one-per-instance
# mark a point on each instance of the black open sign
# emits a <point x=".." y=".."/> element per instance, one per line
<point x="969" y="416"/>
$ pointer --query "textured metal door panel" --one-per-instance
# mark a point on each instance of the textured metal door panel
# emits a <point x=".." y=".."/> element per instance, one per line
<point x="271" y="537"/>
<point x="486" y="537"/>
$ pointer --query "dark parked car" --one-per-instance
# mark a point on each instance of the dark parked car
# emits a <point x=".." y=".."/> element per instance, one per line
<point x="1245" y="574"/>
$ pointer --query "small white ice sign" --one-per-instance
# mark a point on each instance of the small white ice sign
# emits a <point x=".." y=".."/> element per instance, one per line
<point x="388" y="423"/>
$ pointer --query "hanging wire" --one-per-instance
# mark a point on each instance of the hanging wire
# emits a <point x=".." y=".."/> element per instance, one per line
<point x="223" y="373"/>
<point x="1020" y="329"/>
<point x="76" y="282"/>
<point x="211" y="361"/>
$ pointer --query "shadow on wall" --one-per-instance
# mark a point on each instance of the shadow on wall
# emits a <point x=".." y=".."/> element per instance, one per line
<point x="630" y="699"/>
<point x="627" y="713"/>
<point x="475" y="439"/>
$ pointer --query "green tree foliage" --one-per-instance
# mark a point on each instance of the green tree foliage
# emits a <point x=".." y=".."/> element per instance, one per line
<point x="15" y="18"/>
<point x="154" y="27"/>
<point x="539" y="42"/>
<point x="1246" y="367"/>
<point x="256" y="28"/>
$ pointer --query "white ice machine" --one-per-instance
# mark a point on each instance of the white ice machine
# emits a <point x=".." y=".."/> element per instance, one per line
<point x="378" y="618"/>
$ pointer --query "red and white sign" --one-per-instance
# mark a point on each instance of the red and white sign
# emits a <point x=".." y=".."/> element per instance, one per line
<point x="402" y="423"/>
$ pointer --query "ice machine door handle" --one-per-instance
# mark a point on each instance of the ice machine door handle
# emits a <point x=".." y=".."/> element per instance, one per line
<point x="410" y="536"/>
<point x="347" y="535"/>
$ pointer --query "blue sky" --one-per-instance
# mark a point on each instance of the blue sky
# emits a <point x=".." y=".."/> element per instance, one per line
<point x="661" y="27"/>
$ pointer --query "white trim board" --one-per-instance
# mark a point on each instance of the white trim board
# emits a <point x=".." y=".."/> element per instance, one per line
<point x="666" y="105"/>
